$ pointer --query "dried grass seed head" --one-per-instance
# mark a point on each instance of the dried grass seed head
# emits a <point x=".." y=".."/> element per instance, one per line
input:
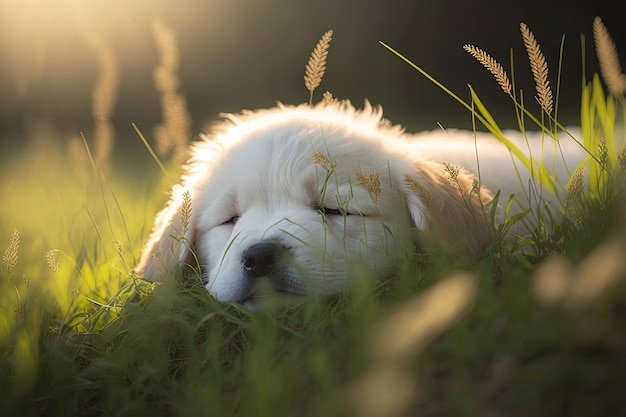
<point x="186" y="210"/>
<point x="415" y="186"/>
<point x="603" y="151"/>
<point x="328" y="98"/>
<point x="492" y="65"/>
<point x="320" y="159"/>
<point x="316" y="66"/>
<point x="51" y="260"/>
<point x="11" y="253"/>
<point x="452" y="171"/>
<point x="539" y="68"/>
<point x="608" y="59"/>
<point x="173" y="133"/>
<point x="371" y="182"/>
<point x="575" y="186"/>
<point x="621" y="160"/>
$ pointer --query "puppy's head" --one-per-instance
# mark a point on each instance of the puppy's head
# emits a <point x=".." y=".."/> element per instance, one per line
<point x="307" y="198"/>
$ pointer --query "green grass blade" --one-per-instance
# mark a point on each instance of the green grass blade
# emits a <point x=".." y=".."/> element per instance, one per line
<point x="478" y="109"/>
<point x="150" y="150"/>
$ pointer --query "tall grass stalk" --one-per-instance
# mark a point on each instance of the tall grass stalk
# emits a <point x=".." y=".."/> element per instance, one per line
<point x="104" y="97"/>
<point x="173" y="133"/>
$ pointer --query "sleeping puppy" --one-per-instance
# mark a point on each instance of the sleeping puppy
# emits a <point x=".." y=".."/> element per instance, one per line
<point x="311" y="198"/>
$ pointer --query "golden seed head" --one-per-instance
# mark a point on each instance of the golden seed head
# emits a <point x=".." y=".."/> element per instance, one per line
<point x="371" y="182"/>
<point x="418" y="188"/>
<point x="539" y="68"/>
<point x="328" y="98"/>
<point x="452" y="171"/>
<point x="576" y="183"/>
<point x="11" y="253"/>
<point x="316" y="66"/>
<point x="320" y="159"/>
<point x="51" y="260"/>
<point x="621" y="159"/>
<point x="610" y="67"/>
<point x="492" y="65"/>
<point x="603" y="151"/>
<point x="186" y="210"/>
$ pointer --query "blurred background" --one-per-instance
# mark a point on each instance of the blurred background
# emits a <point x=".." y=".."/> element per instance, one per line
<point x="69" y="67"/>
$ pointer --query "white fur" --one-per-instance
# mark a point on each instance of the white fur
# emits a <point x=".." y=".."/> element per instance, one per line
<point x="258" y="168"/>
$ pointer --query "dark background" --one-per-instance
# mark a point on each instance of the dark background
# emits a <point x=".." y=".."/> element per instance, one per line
<point x="240" y="54"/>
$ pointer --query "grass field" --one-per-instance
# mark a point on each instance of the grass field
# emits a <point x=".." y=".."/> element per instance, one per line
<point x="537" y="334"/>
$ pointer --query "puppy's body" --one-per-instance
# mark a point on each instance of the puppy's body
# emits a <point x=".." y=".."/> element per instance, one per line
<point x="310" y="196"/>
<point x="489" y="159"/>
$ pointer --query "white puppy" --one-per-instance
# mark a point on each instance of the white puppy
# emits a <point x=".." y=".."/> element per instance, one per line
<point x="313" y="197"/>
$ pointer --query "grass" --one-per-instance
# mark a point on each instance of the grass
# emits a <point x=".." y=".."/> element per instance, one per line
<point x="540" y="334"/>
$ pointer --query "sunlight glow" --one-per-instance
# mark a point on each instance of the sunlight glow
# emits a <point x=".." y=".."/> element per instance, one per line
<point x="37" y="34"/>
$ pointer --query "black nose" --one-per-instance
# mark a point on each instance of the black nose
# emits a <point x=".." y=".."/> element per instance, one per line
<point x="260" y="259"/>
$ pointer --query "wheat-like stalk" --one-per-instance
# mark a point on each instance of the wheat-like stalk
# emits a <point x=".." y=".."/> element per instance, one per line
<point x="11" y="253"/>
<point x="452" y="171"/>
<point x="25" y="279"/>
<point x="371" y="182"/>
<point x="119" y="248"/>
<point x="603" y="151"/>
<point x="316" y="66"/>
<point x="186" y="210"/>
<point x="539" y="67"/>
<point x="492" y="65"/>
<point x="418" y="188"/>
<point x="173" y="133"/>
<point x="606" y="51"/>
<point x="51" y="260"/>
<point x="575" y="186"/>
<point x="103" y="98"/>
<point x="574" y="193"/>
<point x="621" y="160"/>
<point x="320" y="159"/>
<point x="475" y="190"/>
<point x="328" y="98"/>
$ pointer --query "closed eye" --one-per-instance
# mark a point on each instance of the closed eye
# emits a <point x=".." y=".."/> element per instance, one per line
<point x="333" y="212"/>
<point x="231" y="221"/>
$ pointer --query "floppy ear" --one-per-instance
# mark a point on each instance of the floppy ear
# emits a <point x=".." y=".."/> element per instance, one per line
<point x="172" y="238"/>
<point x="447" y="203"/>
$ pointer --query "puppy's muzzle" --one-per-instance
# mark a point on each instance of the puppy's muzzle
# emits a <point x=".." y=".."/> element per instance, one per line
<point x="262" y="259"/>
<point x="270" y="259"/>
